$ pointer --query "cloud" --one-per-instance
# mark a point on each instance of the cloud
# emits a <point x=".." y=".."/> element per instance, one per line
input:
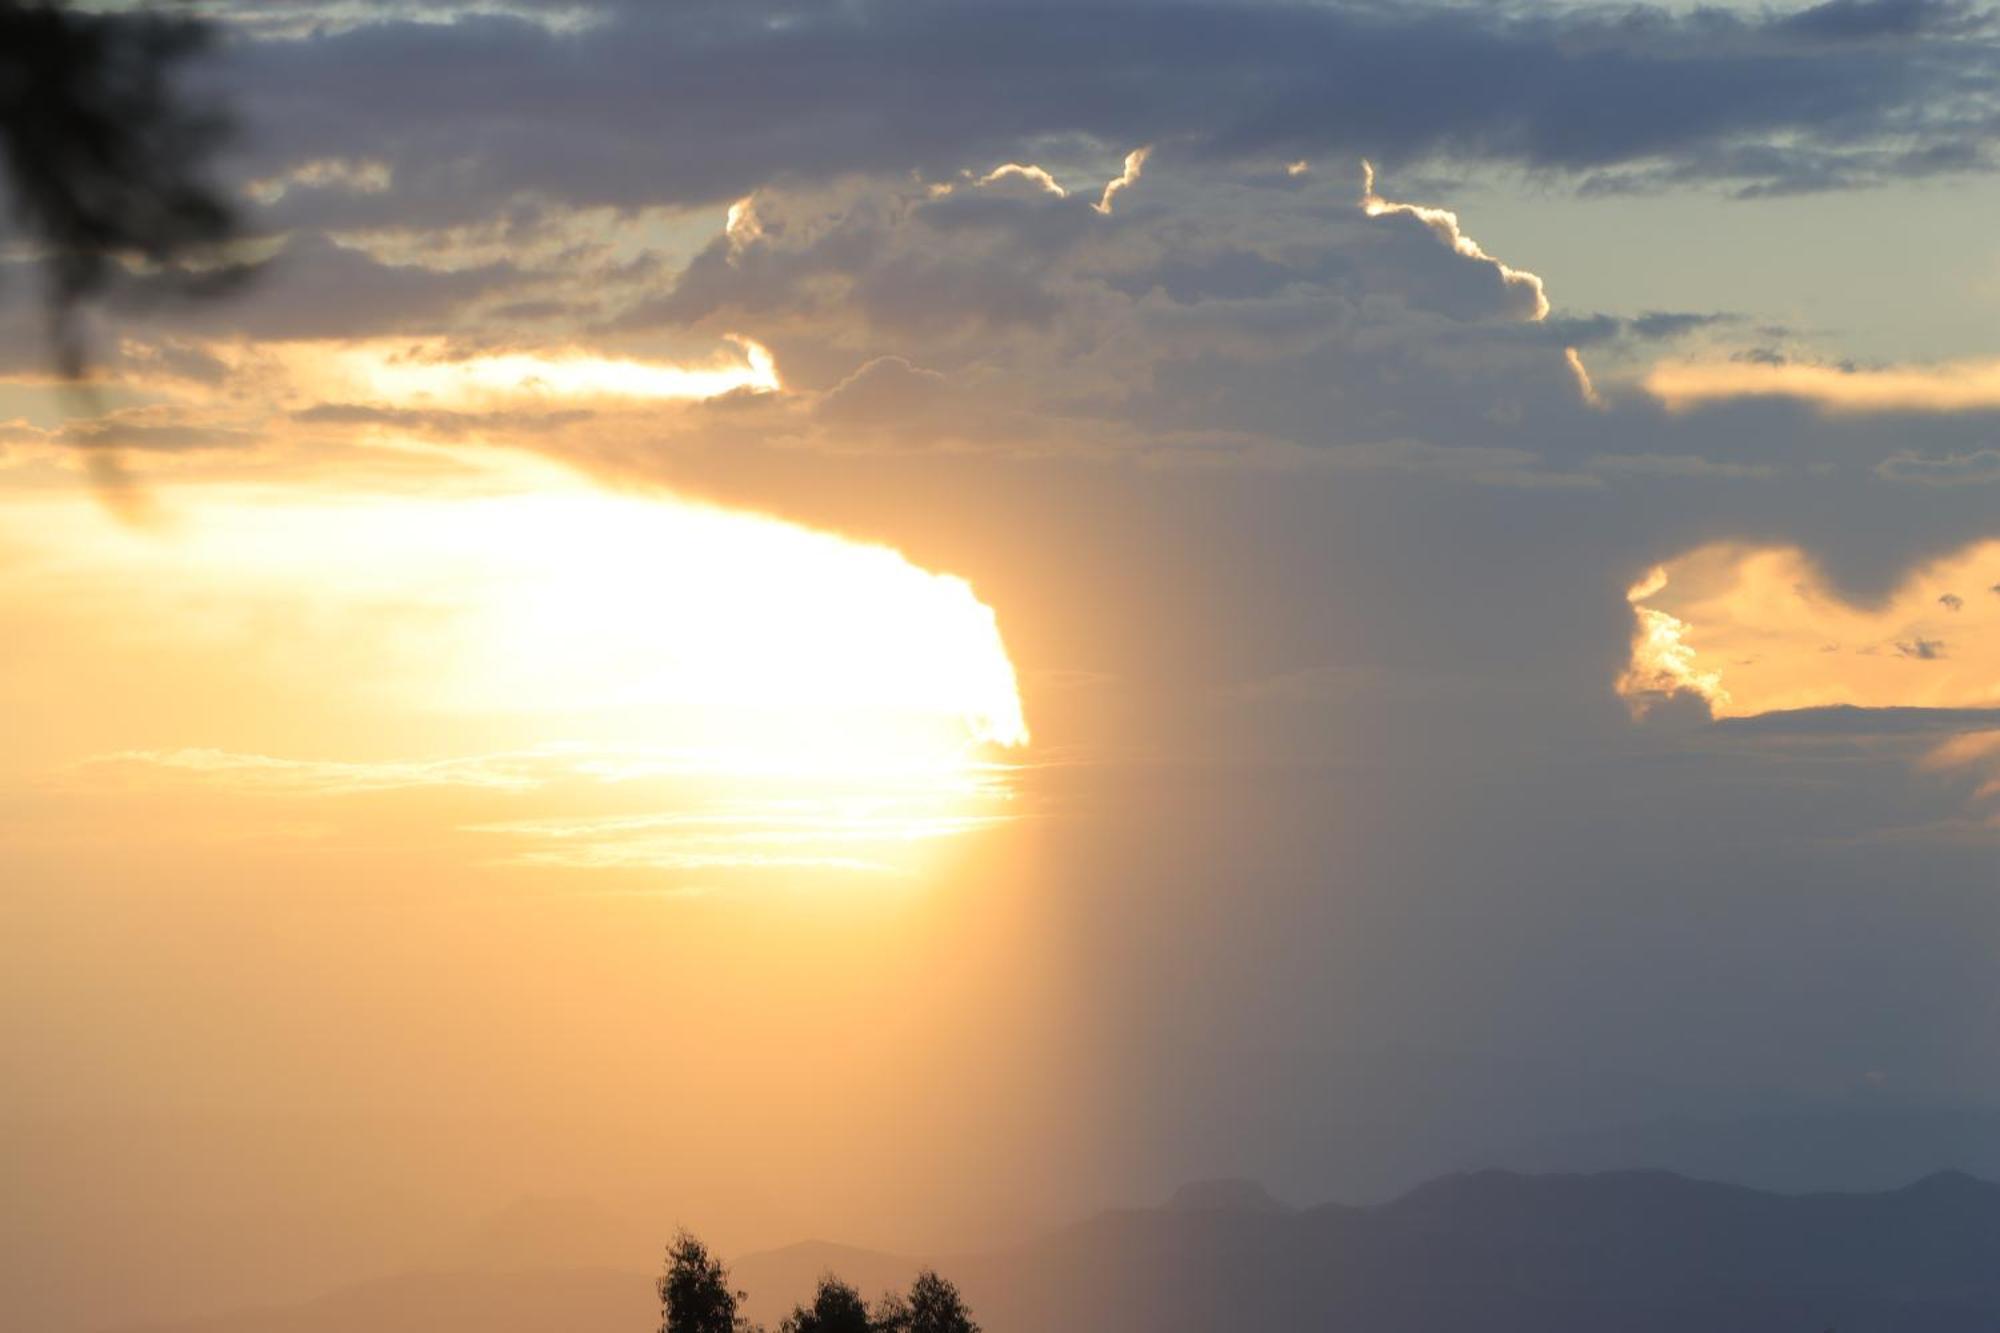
<point x="1664" y="664"/>
<point x="158" y="430"/>
<point x="1974" y="469"/>
<point x="435" y="421"/>
<point x="1664" y="324"/>
<point x="993" y="312"/>
<point x="789" y="830"/>
<point x="1976" y="754"/>
<point x="1584" y="385"/>
<point x="1953" y="387"/>
<point x="1033" y="175"/>
<point x="1444" y="224"/>
<point x="887" y="390"/>
<point x="1850" y="720"/>
<point x="1135" y="162"/>
<point x="1476" y="464"/>
<point x="580" y="375"/>
<point x="354" y="175"/>
<point x="1756" y="630"/>
<point x="1688" y="466"/>
<point x="494" y="105"/>
<point x="316" y="287"/>
<point x="1866" y="20"/>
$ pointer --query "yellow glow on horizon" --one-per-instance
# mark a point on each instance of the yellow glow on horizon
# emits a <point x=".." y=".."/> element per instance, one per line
<point x="1753" y="630"/>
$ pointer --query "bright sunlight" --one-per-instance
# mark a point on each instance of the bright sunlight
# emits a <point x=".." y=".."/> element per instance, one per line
<point x="787" y="696"/>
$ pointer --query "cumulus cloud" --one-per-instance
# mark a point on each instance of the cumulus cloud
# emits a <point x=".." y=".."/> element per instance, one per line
<point x="1445" y="225"/>
<point x="997" y="310"/>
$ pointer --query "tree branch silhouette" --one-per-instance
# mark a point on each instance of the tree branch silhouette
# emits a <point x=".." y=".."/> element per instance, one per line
<point x="107" y="157"/>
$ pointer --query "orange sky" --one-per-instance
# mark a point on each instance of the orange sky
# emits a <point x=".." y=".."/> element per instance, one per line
<point x="882" y="656"/>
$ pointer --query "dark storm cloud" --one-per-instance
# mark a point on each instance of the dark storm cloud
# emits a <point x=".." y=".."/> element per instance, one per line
<point x="697" y="103"/>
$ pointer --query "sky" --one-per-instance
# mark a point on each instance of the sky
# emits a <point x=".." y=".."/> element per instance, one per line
<point x="898" y="621"/>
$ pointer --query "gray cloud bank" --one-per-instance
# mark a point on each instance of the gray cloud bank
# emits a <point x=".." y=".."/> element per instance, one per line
<point x="631" y="104"/>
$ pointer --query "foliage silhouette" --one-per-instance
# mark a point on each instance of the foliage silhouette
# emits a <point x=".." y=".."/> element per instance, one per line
<point x="695" y="1297"/>
<point x="107" y="156"/>
<point x="694" y="1292"/>
<point x="933" y="1306"/>
<point x="836" y="1308"/>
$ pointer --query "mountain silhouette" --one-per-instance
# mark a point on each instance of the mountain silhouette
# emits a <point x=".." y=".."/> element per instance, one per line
<point x="1480" y="1252"/>
<point x="1844" y="1148"/>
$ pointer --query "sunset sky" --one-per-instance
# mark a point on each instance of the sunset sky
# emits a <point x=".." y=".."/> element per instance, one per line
<point x="900" y="619"/>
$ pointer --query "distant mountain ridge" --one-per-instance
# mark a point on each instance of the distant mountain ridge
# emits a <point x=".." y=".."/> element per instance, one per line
<point x="1479" y="1252"/>
<point x="1225" y="1196"/>
<point x="1799" y="1151"/>
<point x="1499" y="1252"/>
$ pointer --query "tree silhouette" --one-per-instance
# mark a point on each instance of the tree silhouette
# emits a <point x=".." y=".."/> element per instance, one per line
<point x="836" y="1308"/>
<point x="107" y="155"/>
<point x="694" y="1293"/>
<point x="933" y="1306"/>
<point x="695" y="1297"/>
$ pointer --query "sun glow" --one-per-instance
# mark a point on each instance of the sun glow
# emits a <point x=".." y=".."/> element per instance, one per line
<point x="754" y="693"/>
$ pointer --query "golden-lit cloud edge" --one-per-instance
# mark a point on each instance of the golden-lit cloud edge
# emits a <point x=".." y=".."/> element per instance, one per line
<point x="1444" y="224"/>
<point x="1952" y="386"/>
<point x="1757" y="635"/>
<point x="1747" y="630"/>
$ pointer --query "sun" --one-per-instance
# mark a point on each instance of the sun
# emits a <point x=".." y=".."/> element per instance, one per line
<point x="732" y="689"/>
<point x="763" y="643"/>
